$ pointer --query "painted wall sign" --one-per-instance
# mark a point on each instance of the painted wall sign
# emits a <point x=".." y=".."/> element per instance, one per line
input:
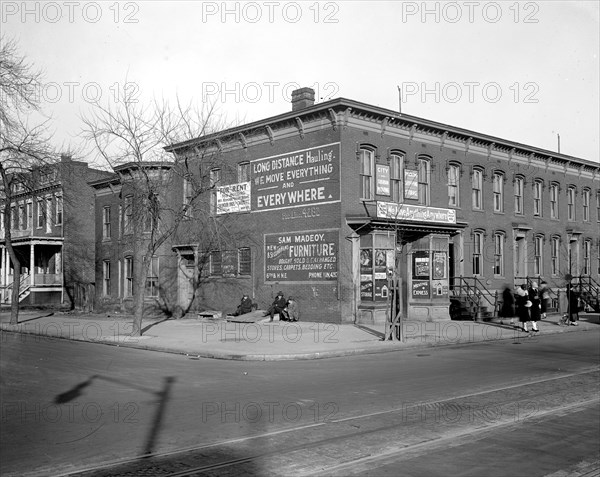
<point x="296" y="179"/>
<point x="301" y="256"/>
<point x="411" y="184"/>
<point x="233" y="198"/>
<point x="383" y="179"/>
<point x="417" y="213"/>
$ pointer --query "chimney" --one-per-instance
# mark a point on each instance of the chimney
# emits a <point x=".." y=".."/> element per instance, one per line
<point x="302" y="98"/>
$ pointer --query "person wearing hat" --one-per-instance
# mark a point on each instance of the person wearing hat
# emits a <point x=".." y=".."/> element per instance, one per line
<point x="245" y="306"/>
<point x="291" y="311"/>
<point x="277" y="306"/>
<point x="521" y="302"/>
<point x="535" y="310"/>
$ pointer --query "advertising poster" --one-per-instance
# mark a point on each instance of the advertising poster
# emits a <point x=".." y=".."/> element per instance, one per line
<point x="420" y="288"/>
<point x="296" y="179"/>
<point x="421" y="265"/>
<point x="411" y="184"/>
<point x="366" y="274"/>
<point x="302" y="256"/>
<point x="233" y="198"/>
<point x="383" y="179"/>
<point x="439" y="265"/>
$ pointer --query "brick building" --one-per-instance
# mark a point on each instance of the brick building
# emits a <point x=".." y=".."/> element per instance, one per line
<point x="329" y="200"/>
<point x="52" y="229"/>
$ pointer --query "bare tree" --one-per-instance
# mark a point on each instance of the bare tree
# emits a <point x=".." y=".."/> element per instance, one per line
<point x="23" y="145"/>
<point x="130" y="136"/>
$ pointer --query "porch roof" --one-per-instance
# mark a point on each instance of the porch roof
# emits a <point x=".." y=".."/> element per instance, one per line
<point x="406" y="227"/>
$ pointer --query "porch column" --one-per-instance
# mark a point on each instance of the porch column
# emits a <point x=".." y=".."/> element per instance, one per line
<point x="31" y="264"/>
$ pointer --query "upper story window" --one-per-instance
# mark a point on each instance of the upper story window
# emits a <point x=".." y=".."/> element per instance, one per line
<point x="477" y="189"/>
<point x="41" y="213"/>
<point x="424" y="170"/>
<point x="519" y="188"/>
<point x="498" y="189"/>
<point x="48" y="176"/>
<point x="215" y="180"/>
<point x="586" y="205"/>
<point x="243" y="172"/>
<point x="396" y="163"/>
<point x="538" y="185"/>
<point x="128" y="215"/>
<point x="367" y="163"/>
<point x="598" y="206"/>
<point x="453" y="185"/>
<point x="106" y="226"/>
<point x="571" y="203"/>
<point x="59" y="210"/>
<point x="187" y="196"/>
<point x="554" y="201"/>
<point x="22" y="222"/>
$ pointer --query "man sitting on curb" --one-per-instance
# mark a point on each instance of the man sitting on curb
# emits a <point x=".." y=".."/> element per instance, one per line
<point x="277" y="306"/>
<point x="291" y="311"/>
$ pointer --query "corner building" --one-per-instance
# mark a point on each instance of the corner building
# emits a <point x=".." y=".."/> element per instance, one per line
<point x="332" y="199"/>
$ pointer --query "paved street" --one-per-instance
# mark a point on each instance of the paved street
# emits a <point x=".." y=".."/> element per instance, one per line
<point x="485" y="408"/>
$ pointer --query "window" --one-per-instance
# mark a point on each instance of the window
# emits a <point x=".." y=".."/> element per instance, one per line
<point x="59" y="210"/>
<point x="14" y="218"/>
<point x="598" y="206"/>
<point x="106" y="278"/>
<point x="244" y="261"/>
<point x="571" y="203"/>
<point x="106" y="232"/>
<point x="424" y="170"/>
<point x="152" y="278"/>
<point x="47" y="176"/>
<point x="498" y="189"/>
<point x="538" y="247"/>
<point x="48" y="214"/>
<point x="128" y="215"/>
<point x="555" y="255"/>
<point x="453" y="185"/>
<point x="215" y="265"/>
<point x="554" y="201"/>
<point x="366" y="174"/>
<point x="587" y="259"/>
<point x="396" y="177"/>
<point x="187" y="196"/>
<point x="477" y="185"/>
<point x="537" y="198"/>
<point x="243" y="172"/>
<point x="586" y="205"/>
<point x="499" y="254"/>
<point x="215" y="178"/>
<point x="22" y="217"/>
<point x="128" y="277"/>
<point x="151" y="212"/>
<point x="40" y="214"/>
<point x="519" y="186"/>
<point x="477" y="257"/>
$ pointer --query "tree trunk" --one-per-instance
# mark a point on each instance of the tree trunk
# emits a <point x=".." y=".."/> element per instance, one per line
<point x="14" y="304"/>
<point x="141" y="273"/>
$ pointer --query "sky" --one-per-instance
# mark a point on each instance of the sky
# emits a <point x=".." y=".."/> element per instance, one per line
<point x="521" y="71"/>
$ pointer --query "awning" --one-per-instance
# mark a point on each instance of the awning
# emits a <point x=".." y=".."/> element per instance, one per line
<point x="365" y="224"/>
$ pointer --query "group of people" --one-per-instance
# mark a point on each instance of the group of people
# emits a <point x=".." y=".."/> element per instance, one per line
<point x="287" y="309"/>
<point x="530" y="305"/>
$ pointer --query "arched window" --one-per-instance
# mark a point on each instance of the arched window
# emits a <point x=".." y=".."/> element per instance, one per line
<point x="396" y="165"/>
<point x="454" y="185"/>
<point x="477" y="252"/>
<point x="538" y="252"/>
<point x="538" y="185"/>
<point x="519" y="189"/>
<point x="499" y="254"/>
<point x="586" y="204"/>
<point x="555" y="255"/>
<point x="554" y="189"/>
<point x="424" y="170"/>
<point x="498" y="189"/>
<point x="367" y="163"/>
<point x="477" y="189"/>
<point x="571" y="203"/>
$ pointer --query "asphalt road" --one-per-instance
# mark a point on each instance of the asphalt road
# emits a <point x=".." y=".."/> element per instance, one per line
<point x="526" y="407"/>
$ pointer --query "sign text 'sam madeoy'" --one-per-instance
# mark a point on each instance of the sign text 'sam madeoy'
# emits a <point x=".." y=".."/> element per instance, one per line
<point x="296" y="179"/>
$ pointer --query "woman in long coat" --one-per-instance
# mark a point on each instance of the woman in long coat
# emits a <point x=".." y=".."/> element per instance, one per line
<point x="508" y="305"/>
<point x="535" y="312"/>
<point x="521" y="300"/>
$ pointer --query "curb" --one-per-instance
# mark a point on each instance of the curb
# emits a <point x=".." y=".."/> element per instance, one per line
<point x="389" y="347"/>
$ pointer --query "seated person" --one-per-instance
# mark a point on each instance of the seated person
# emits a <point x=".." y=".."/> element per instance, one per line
<point x="245" y="306"/>
<point x="277" y="306"/>
<point x="291" y="312"/>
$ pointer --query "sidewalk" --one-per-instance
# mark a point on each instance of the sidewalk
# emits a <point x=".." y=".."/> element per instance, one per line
<point x="264" y="341"/>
